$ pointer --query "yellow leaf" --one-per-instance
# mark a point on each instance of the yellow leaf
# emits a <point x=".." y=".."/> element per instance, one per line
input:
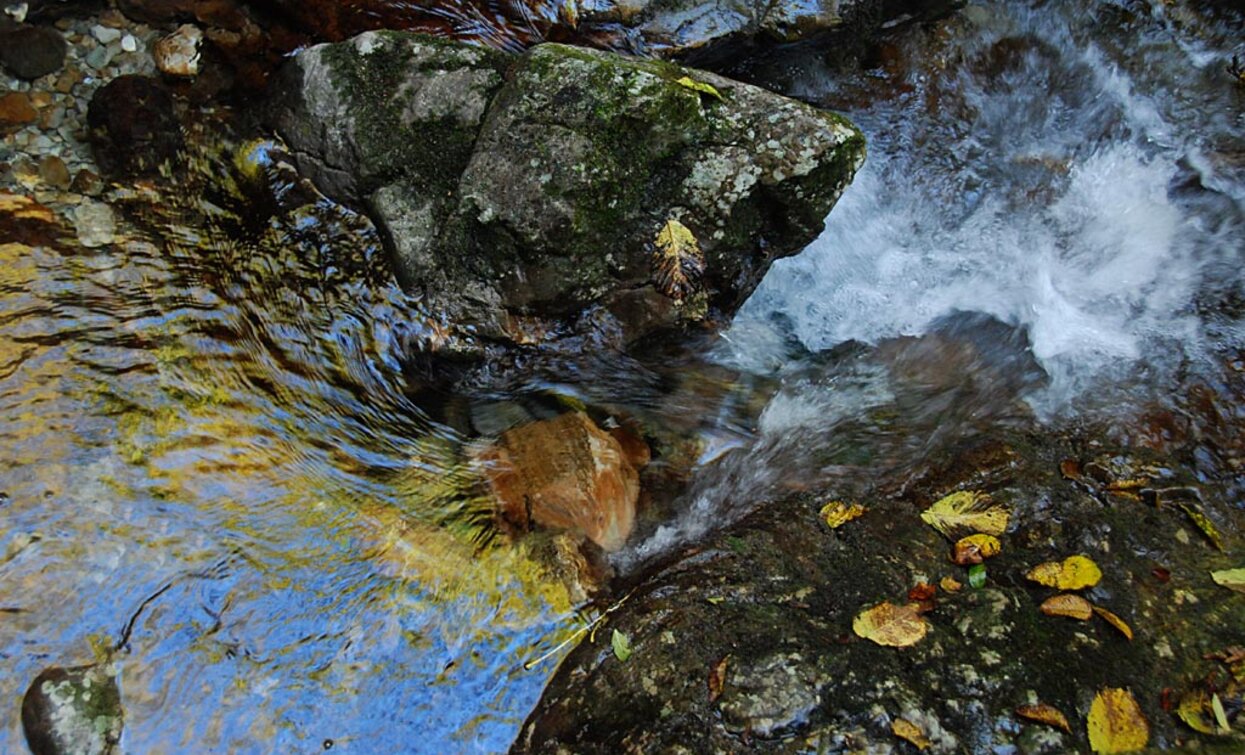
<point x="966" y="512"/>
<point x="975" y="548"/>
<point x="908" y="731"/>
<point x="950" y="584"/>
<point x="678" y="264"/>
<point x="1233" y="579"/>
<point x="1045" y="714"/>
<point x="1116" y="723"/>
<point x="1115" y="621"/>
<point x="891" y="625"/>
<point x="1197" y="710"/>
<point x="698" y="86"/>
<point x="837" y="513"/>
<point x="1221" y="715"/>
<point x="1069" y="605"/>
<point x="1073" y="573"/>
<point x="1203" y="523"/>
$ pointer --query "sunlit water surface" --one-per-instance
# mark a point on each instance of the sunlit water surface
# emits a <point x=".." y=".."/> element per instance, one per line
<point x="233" y="421"/>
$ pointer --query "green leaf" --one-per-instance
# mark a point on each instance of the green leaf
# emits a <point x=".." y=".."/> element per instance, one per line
<point x="977" y="576"/>
<point x="1221" y="716"/>
<point x="621" y="644"/>
<point x="698" y="86"/>
<point x="1233" y="579"/>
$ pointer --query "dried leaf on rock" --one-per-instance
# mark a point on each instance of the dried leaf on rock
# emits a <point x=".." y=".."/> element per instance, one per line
<point x="621" y="644"/>
<point x="837" y="513"/>
<point x="1197" y="710"/>
<point x="1073" y="573"/>
<point x="1045" y="714"/>
<point x="678" y="263"/>
<point x="1203" y="523"/>
<point x="966" y="512"/>
<point x="1233" y="579"/>
<point x="1115" y="621"/>
<point x="699" y="86"/>
<point x="891" y="625"/>
<point x="1116" y="723"/>
<point x="717" y="678"/>
<point x="1069" y="605"/>
<point x="910" y="732"/>
<point x="922" y="591"/>
<point x="950" y="584"/>
<point x="975" y="548"/>
<point x="1071" y="470"/>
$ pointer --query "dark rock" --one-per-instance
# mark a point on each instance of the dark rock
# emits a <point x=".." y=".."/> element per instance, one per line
<point x="133" y="125"/>
<point x="226" y="14"/>
<point x="74" y="711"/>
<point x="32" y="51"/>
<point x="544" y="196"/>
<point x="46" y="11"/>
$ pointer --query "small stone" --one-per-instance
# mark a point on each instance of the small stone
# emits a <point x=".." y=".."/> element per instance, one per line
<point x="66" y="81"/>
<point x="40" y="100"/>
<point x="99" y="57"/>
<point x="26" y="173"/>
<point x="17" y="11"/>
<point x="104" y="34"/>
<point x="15" y="111"/>
<point x="51" y="118"/>
<point x="130" y="43"/>
<point x="32" y="51"/>
<point x="74" y="710"/>
<point x="178" y="53"/>
<point x="95" y="224"/>
<point x="87" y="182"/>
<point x="53" y="171"/>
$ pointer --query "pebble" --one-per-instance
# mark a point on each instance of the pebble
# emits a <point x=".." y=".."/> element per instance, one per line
<point x="32" y="51"/>
<point x="178" y="53"/>
<point x="54" y="172"/>
<point x="87" y="182"/>
<point x="105" y="34"/>
<point x="130" y="43"/>
<point x="99" y="57"/>
<point x="95" y="224"/>
<point x="16" y="110"/>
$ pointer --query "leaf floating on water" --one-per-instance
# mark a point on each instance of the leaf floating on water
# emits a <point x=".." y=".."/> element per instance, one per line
<point x="1073" y="573"/>
<point x="977" y="577"/>
<point x="1115" y="621"/>
<point x="717" y="678"/>
<point x="678" y="263"/>
<point x="966" y="512"/>
<point x="1233" y="579"/>
<point x="891" y="625"/>
<point x="1203" y="523"/>
<point x="698" y="86"/>
<point x="621" y="644"/>
<point x="837" y="513"/>
<point x="1045" y="714"/>
<point x="1116" y="723"/>
<point x="910" y="732"/>
<point x="975" y="548"/>
<point x="1069" y="605"/>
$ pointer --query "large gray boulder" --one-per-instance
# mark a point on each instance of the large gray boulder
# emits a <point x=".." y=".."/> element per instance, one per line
<point x="516" y="192"/>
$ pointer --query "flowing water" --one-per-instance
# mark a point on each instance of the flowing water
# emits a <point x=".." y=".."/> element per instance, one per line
<point x="219" y="411"/>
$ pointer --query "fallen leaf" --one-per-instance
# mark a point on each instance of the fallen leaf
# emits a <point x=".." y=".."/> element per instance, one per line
<point x="837" y="513"/>
<point x="966" y="512"/>
<point x="1069" y="605"/>
<point x="1203" y="523"/>
<point x="1197" y="710"/>
<point x="1161" y="574"/>
<point x="950" y="584"/>
<point x="698" y="86"/>
<point x="1233" y="579"/>
<point x="1116" y="723"/>
<point x="1115" y="621"/>
<point x="1129" y="485"/>
<point x="1221" y="715"/>
<point x="891" y="625"/>
<point x="975" y="548"/>
<point x="678" y="263"/>
<point x="922" y="591"/>
<point x="715" y="600"/>
<point x="717" y="678"/>
<point x="910" y="732"/>
<point x="621" y="644"/>
<point x="977" y="577"/>
<point x="1071" y="470"/>
<point x="1073" y="573"/>
<point x="1045" y="714"/>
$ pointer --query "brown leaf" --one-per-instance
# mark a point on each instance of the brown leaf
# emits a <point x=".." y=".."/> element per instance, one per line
<point x="974" y="549"/>
<point x="923" y="591"/>
<point x="1073" y="573"/>
<point x="891" y="625"/>
<point x="1115" y="621"/>
<point x="678" y="264"/>
<point x="1161" y="574"/>
<point x="910" y="732"/>
<point x="1071" y="470"/>
<point x="1045" y="714"/>
<point x="717" y="678"/>
<point x="1069" y="605"/>
<point x="1116" y="723"/>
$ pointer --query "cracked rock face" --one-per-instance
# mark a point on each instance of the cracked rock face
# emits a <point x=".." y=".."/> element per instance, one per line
<point x="521" y="188"/>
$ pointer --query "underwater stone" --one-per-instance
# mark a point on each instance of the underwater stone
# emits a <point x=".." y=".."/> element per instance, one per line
<point x="32" y="51"/>
<point x="74" y="711"/>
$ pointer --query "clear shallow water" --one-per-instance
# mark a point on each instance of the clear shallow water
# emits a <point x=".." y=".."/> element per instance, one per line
<point x="228" y="413"/>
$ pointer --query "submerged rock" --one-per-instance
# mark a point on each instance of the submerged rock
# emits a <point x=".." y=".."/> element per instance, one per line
<point x="532" y="187"/>
<point x="133" y="125"/>
<point x="75" y="711"/>
<point x="32" y="51"/>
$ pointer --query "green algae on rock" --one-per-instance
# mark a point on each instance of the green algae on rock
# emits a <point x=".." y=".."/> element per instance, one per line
<point x="509" y="188"/>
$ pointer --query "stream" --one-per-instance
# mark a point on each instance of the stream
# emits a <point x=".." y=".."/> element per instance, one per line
<point x="234" y="423"/>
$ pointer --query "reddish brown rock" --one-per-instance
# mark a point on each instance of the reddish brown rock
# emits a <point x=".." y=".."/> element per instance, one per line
<point x="15" y="111"/>
<point x="566" y="473"/>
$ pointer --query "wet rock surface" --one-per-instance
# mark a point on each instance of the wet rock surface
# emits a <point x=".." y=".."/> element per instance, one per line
<point x="75" y="711"/>
<point x="546" y="194"/>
